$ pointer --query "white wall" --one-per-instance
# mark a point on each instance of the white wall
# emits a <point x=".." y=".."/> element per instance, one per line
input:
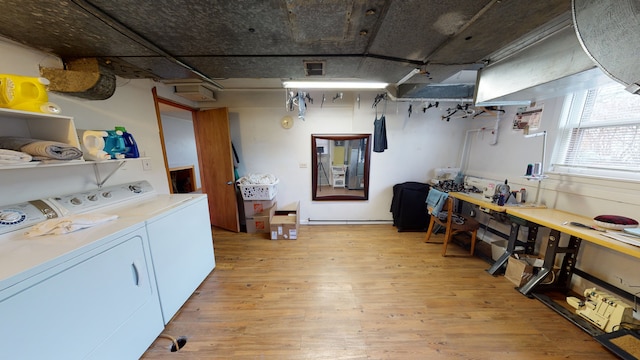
<point x="417" y="145"/>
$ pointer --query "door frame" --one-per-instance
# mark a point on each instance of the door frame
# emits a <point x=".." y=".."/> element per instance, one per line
<point x="222" y="212"/>
<point x="156" y="101"/>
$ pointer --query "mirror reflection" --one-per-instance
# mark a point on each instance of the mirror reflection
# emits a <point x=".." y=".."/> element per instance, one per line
<point x="341" y="166"/>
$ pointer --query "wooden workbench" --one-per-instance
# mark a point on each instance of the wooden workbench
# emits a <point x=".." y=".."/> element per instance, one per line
<point x="552" y="219"/>
<point x="557" y="222"/>
<point x="485" y="203"/>
<point x="478" y="199"/>
<point x="555" y="219"/>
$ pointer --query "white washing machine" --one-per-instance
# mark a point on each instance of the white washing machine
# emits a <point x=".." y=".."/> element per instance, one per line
<point x="179" y="233"/>
<point x="95" y="286"/>
<point x="132" y="274"/>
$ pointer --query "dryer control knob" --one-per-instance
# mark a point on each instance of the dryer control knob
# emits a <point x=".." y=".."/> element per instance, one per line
<point x="10" y="216"/>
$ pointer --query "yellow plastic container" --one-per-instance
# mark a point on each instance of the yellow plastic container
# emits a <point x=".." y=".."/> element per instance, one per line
<point x="26" y="93"/>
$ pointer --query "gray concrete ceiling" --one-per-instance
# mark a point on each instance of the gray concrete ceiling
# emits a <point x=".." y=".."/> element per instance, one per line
<point x="268" y="40"/>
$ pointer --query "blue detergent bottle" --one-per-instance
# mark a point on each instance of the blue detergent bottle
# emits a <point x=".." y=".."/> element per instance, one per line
<point x="131" y="148"/>
<point x="114" y="144"/>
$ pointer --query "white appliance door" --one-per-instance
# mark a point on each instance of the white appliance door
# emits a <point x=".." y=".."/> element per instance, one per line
<point x="182" y="253"/>
<point x="73" y="309"/>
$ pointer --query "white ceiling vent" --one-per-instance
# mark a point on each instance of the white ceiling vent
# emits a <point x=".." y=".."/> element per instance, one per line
<point x="314" y="68"/>
<point x="195" y="92"/>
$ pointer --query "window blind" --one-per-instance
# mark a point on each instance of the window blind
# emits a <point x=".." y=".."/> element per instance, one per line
<point x="602" y="132"/>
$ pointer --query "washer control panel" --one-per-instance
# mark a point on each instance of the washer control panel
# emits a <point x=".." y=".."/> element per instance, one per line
<point x="19" y="216"/>
<point x="86" y="201"/>
<point x="22" y="215"/>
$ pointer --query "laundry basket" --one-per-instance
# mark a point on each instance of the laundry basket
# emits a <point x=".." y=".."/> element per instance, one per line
<point x="252" y="187"/>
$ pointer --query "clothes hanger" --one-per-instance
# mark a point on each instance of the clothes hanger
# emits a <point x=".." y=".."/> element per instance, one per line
<point x="491" y="110"/>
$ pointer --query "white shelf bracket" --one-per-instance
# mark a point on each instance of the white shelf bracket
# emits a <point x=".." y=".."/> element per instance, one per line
<point x="99" y="180"/>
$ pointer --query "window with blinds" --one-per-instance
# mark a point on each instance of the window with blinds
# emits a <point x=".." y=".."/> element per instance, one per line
<point x="600" y="134"/>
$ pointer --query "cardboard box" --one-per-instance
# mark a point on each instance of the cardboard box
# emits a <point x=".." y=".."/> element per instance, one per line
<point x="284" y="227"/>
<point x="520" y="271"/>
<point x="285" y="224"/>
<point x="256" y="207"/>
<point x="261" y="222"/>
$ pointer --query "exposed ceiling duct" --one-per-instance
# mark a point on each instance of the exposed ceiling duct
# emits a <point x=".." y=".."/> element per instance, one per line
<point x="548" y="62"/>
<point x="84" y="78"/>
<point x="262" y="43"/>
<point x="608" y="32"/>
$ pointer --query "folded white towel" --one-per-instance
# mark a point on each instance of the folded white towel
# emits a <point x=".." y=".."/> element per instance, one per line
<point x="67" y="224"/>
<point x="13" y="157"/>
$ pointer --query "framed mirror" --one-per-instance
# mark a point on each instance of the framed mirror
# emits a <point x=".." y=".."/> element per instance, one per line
<point x="340" y="169"/>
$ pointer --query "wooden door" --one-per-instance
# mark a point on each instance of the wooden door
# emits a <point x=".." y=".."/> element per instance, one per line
<point x="213" y="142"/>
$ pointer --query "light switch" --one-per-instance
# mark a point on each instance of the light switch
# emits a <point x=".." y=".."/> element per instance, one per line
<point x="146" y="164"/>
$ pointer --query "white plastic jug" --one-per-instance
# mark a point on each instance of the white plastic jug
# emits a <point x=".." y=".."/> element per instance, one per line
<point x="93" y="145"/>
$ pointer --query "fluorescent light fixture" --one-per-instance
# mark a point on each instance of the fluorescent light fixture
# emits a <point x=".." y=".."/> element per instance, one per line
<point x="408" y="76"/>
<point x="333" y="85"/>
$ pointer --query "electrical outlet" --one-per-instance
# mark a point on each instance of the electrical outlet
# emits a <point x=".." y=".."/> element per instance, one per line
<point x="146" y="164"/>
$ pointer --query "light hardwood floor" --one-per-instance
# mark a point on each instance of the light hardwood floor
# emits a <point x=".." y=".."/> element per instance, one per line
<point x="362" y="292"/>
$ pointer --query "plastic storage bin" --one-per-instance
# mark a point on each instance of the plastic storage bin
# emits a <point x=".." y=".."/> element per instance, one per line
<point x="258" y="191"/>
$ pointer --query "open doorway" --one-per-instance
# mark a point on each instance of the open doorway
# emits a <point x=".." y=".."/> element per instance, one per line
<point x="175" y="122"/>
<point x="200" y="159"/>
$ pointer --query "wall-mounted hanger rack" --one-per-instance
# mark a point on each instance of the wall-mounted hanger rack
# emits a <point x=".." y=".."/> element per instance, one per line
<point x="463" y="112"/>
<point x="429" y="106"/>
<point x="379" y="98"/>
<point x="490" y="110"/>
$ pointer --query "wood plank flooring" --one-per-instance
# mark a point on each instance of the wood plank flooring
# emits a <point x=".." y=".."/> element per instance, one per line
<point x="362" y="292"/>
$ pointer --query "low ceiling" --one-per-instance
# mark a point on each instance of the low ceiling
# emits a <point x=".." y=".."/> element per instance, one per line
<point x="257" y="44"/>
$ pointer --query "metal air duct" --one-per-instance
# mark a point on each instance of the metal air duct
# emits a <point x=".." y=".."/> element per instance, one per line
<point x="608" y="32"/>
